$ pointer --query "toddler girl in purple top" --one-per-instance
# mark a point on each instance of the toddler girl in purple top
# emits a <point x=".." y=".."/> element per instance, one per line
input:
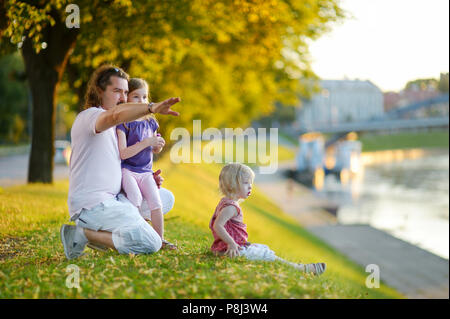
<point x="138" y="140"/>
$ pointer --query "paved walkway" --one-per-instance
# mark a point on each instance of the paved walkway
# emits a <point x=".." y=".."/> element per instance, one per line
<point x="414" y="272"/>
<point x="14" y="170"/>
<point x="295" y="199"/>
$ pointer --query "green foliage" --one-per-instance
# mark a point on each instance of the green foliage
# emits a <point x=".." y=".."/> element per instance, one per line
<point x="228" y="61"/>
<point x="29" y="19"/>
<point x="13" y="99"/>
<point x="440" y="84"/>
<point x="422" y="84"/>
<point x="281" y="115"/>
<point x="443" y="83"/>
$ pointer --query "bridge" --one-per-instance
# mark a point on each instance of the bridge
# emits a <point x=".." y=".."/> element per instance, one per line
<point x="389" y="121"/>
<point x="400" y="111"/>
<point x="380" y="125"/>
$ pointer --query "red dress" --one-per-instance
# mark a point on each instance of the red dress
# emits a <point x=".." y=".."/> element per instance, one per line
<point x="234" y="227"/>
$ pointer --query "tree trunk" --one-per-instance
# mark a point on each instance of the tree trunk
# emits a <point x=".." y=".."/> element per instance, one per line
<point x="44" y="71"/>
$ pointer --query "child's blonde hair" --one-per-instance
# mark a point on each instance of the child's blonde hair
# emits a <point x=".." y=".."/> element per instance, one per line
<point x="231" y="178"/>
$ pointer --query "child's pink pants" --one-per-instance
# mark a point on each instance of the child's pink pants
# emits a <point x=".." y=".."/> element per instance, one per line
<point x="138" y="185"/>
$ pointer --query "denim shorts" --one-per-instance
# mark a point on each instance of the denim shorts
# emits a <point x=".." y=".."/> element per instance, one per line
<point x="130" y="232"/>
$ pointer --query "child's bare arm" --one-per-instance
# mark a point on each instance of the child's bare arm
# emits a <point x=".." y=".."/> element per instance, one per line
<point x="127" y="152"/>
<point x="219" y="226"/>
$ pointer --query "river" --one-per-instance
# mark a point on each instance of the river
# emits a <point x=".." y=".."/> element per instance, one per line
<point x="408" y="199"/>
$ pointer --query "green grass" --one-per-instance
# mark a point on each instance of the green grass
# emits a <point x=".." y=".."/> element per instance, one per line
<point x="374" y="142"/>
<point x="292" y="140"/>
<point x="433" y="139"/>
<point x="33" y="265"/>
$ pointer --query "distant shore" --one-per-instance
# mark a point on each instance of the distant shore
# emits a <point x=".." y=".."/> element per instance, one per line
<point x="422" y="140"/>
<point x="403" y="140"/>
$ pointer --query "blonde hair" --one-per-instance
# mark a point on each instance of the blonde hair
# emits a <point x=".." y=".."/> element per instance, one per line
<point x="231" y="178"/>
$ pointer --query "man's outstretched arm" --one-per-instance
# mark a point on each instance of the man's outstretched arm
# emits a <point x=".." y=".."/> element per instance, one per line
<point x="127" y="112"/>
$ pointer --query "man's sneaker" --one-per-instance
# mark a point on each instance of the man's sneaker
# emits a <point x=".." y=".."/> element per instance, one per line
<point x="71" y="248"/>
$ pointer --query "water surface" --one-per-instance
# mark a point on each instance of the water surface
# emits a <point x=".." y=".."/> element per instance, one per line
<point x="408" y="199"/>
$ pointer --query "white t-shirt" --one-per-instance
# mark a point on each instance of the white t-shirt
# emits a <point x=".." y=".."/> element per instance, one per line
<point x="95" y="165"/>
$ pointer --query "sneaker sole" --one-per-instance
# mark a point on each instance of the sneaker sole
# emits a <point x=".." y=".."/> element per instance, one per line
<point x="61" y="233"/>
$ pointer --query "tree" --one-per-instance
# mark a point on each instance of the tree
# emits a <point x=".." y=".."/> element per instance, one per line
<point x="13" y="99"/>
<point x="422" y="84"/>
<point x="440" y="84"/>
<point x="443" y="82"/>
<point x="228" y="60"/>
<point x="45" y="42"/>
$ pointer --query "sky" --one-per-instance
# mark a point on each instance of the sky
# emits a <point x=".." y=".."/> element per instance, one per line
<point x="388" y="42"/>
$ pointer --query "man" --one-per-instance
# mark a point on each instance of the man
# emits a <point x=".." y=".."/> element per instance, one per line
<point x="103" y="217"/>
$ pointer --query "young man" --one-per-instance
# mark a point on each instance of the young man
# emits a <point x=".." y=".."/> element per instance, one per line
<point x="103" y="217"/>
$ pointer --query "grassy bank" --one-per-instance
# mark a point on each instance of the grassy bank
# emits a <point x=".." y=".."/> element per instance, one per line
<point x="434" y="139"/>
<point x="374" y="142"/>
<point x="33" y="265"/>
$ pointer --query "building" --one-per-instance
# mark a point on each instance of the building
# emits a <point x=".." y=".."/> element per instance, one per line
<point x="341" y="101"/>
<point x="414" y="94"/>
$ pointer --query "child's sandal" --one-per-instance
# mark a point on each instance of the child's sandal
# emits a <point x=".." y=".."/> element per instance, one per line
<point x="317" y="268"/>
<point x="168" y="245"/>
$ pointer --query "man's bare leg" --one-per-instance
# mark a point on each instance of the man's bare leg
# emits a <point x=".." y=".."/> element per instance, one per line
<point x="100" y="237"/>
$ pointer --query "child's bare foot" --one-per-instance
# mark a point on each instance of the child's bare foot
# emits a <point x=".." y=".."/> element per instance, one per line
<point x="168" y="245"/>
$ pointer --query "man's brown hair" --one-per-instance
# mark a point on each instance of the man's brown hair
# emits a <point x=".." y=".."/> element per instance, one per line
<point x="99" y="80"/>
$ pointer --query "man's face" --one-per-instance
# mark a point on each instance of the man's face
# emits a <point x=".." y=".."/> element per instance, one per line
<point x="115" y="93"/>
